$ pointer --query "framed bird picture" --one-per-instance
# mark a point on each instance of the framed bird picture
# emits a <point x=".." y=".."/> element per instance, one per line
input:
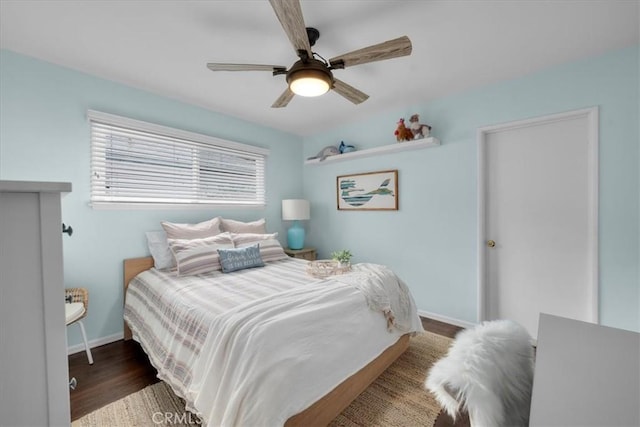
<point x="372" y="191"/>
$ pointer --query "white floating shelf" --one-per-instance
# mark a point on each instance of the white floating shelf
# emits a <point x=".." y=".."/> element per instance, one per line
<point x="385" y="149"/>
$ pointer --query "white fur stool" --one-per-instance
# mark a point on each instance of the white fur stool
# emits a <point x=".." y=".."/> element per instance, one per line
<point x="488" y="372"/>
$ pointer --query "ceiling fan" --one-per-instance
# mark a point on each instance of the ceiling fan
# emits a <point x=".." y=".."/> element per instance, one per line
<point x="312" y="75"/>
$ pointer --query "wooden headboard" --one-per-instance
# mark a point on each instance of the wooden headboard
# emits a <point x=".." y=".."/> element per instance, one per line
<point x="133" y="267"/>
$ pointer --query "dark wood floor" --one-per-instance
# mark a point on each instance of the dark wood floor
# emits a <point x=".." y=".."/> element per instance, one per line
<point x="122" y="368"/>
<point x="119" y="369"/>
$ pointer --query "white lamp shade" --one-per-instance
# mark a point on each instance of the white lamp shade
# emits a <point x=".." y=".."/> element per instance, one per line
<point x="295" y="209"/>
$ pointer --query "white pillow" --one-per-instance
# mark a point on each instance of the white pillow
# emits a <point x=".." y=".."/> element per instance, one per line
<point x="233" y="226"/>
<point x="159" y="249"/>
<point x="270" y="248"/>
<point x="199" y="256"/>
<point x="201" y="230"/>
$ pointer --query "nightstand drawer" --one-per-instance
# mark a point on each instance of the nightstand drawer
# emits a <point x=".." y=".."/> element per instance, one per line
<point x="306" y="253"/>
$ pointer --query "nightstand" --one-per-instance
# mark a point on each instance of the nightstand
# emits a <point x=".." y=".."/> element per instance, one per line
<point x="305" y="253"/>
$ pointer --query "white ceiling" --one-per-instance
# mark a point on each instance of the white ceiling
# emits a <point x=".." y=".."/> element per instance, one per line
<point x="163" y="46"/>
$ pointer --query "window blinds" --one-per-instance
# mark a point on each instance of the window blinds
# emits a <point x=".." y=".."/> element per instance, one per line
<point x="134" y="162"/>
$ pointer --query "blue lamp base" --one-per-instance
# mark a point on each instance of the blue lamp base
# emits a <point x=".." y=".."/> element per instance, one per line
<point x="295" y="236"/>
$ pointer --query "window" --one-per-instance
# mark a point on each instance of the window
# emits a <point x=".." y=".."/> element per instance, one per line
<point x="139" y="163"/>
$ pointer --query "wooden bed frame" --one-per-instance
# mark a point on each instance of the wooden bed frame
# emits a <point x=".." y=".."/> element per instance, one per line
<point x="332" y="404"/>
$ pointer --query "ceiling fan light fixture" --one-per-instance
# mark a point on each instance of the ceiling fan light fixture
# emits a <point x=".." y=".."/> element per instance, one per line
<point x="310" y="78"/>
<point x="310" y="83"/>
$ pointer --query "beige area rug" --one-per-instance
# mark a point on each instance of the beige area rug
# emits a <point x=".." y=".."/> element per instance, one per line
<point x="396" y="398"/>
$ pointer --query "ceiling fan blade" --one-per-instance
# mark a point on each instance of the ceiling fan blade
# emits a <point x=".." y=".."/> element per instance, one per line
<point x="377" y="52"/>
<point x="349" y="92"/>
<point x="214" y="66"/>
<point x="289" y="13"/>
<point x="283" y="99"/>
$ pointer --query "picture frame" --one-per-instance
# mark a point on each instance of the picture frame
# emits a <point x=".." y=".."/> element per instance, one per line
<point x="371" y="191"/>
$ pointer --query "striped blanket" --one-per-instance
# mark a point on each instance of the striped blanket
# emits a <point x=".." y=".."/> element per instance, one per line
<point x="175" y="318"/>
<point x="170" y="315"/>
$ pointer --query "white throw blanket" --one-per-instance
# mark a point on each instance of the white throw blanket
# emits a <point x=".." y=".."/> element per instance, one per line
<point x="386" y="293"/>
<point x="270" y="359"/>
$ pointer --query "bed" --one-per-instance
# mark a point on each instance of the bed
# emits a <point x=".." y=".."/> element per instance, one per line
<point x="173" y="319"/>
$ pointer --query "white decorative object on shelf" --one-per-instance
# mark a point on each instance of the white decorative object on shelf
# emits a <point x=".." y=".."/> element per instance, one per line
<point x="326" y="267"/>
<point x="385" y="149"/>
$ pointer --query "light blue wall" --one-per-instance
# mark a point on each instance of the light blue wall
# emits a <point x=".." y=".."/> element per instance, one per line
<point x="44" y="136"/>
<point x="431" y="241"/>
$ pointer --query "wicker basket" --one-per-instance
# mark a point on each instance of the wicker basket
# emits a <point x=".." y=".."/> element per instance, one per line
<point x="326" y="267"/>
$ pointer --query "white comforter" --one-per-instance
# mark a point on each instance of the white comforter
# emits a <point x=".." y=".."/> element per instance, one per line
<point x="269" y="359"/>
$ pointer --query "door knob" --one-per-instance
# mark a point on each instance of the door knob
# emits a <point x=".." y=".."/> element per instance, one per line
<point x="67" y="229"/>
<point x="491" y="243"/>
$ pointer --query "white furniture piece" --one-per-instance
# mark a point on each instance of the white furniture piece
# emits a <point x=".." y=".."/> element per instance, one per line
<point x="585" y="375"/>
<point x="378" y="151"/>
<point x="75" y="310"/>
<point x="34" y="375"/>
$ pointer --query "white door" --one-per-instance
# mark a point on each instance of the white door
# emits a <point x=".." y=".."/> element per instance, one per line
<point x="538" y="219"/>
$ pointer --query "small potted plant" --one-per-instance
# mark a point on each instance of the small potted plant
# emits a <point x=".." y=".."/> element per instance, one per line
<point x="343" y="257"/>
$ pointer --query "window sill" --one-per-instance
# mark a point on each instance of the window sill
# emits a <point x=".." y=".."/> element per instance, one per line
<point x="170" y="206"/>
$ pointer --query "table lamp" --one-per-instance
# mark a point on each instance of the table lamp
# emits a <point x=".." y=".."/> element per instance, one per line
<point x="295" y="210"/>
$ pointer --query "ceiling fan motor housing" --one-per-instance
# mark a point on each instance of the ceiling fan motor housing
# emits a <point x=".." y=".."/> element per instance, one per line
<point x="313" y="35"/>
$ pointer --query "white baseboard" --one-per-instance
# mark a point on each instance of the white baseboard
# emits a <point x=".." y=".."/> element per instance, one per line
<point x="95" y="343"/>
<point x="450" y="320"/>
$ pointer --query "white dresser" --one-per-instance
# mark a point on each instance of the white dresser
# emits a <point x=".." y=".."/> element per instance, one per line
<point x="585" y="375"/>
<point x="34" y="388"/>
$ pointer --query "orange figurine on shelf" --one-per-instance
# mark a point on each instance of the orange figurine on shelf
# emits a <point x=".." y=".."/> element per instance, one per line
<point x="402" y="133"/>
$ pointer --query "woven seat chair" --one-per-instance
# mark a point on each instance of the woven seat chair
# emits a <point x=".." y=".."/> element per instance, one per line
<point x="77" y="304"/>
